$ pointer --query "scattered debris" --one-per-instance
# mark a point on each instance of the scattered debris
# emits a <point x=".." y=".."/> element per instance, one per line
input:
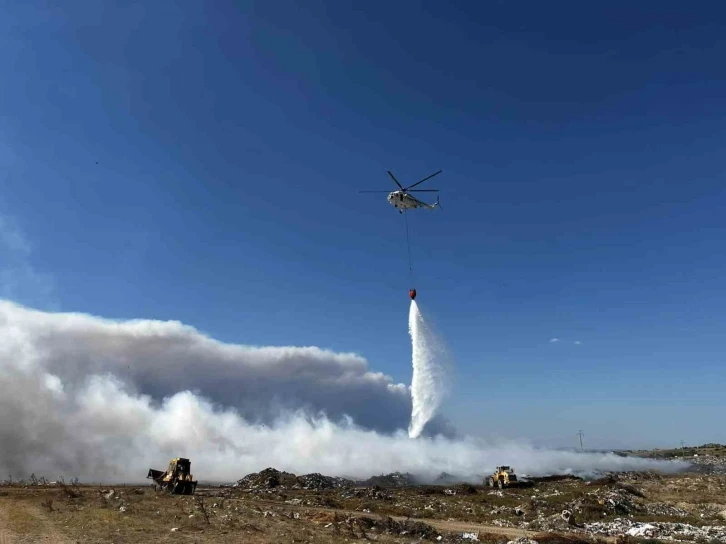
<point x="375" y="493"/>
<point x="390" y="526"/>
<point x="643" y="505"/>
<point x="668" y="530"/>
<point x="558" y="504"/>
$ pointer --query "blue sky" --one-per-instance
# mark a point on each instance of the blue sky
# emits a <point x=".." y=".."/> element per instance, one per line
<point x="202" y="164"/>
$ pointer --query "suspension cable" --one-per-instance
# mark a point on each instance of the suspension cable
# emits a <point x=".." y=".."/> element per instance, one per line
<point x="408" y="245"/>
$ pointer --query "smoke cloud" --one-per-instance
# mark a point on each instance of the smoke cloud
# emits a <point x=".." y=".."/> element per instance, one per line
<point x="107" y="400"/>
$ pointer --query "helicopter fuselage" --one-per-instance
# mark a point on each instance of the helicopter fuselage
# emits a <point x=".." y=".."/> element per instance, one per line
<point x="403" y="201"/>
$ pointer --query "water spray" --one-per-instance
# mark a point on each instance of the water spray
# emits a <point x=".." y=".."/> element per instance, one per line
<point x="430" y="360"/>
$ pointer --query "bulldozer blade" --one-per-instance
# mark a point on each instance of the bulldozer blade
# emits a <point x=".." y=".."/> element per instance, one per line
<point x="155" y="474"/>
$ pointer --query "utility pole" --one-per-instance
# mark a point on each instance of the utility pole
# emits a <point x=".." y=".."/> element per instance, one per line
<point x="683" y="444"/>
<point x="580" y="433"/>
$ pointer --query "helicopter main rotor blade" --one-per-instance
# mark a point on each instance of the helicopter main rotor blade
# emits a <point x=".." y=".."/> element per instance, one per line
<point x="424" y="191"/>
<point x="386" y="191"/>
<point x="394" y="179"/>
<point x="424" y="179"/>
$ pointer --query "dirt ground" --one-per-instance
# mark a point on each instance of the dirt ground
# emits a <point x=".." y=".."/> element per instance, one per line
<point x="272" y="506"/>
<point x="550" y="511"/>
<point x="139" y="514"/>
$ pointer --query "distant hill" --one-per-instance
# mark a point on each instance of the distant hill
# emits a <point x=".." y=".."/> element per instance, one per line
<point x="711" y="449"/>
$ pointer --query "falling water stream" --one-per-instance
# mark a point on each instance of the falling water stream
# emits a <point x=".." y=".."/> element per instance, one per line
<point x="431" y="361"/>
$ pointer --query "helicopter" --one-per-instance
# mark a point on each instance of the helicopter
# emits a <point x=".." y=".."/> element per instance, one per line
<point x="402" y="200"/>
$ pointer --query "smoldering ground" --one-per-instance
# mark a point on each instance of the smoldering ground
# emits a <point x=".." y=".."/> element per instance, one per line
<point x="104" y="400"/>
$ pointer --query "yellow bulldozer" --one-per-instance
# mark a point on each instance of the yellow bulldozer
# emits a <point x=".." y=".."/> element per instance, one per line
<point x="177" y="479"/>
<point x="503" y="476"/>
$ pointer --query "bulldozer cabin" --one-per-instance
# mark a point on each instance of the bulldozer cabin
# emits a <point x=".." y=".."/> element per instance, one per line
<point x="177" y="479"/>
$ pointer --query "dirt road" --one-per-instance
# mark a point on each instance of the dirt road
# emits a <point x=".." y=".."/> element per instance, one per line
<point x="23" y="523"/>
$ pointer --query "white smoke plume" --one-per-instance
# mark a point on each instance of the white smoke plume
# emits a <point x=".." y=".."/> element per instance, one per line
<point x="431" y="367"/>
<point x="106" y="400"/>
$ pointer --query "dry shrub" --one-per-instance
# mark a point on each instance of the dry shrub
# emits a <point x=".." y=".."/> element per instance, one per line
<point x="330" y="502"/>
<point x="630" y="489"/>
<point x="391" y="526"/>
<point x="431" y="490"/>
<point x="322" y="517"/>
<point x="71" y="491"/>
<point x="465" y="489"/>
<point x="202" y="507"/>
<point x="607" y="480"/>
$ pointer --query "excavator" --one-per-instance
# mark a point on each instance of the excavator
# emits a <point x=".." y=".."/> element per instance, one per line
<point x="177" y="480"/>
<point x="503" y="476"/>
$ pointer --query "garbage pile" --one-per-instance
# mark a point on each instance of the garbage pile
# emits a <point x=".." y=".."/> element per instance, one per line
<point x="375" y="493"/>
<point x="560" y="522"/>
<point x="618" y="500"/>
<point x="394" y="479"/>
<point x="667" y="530"/>
<point x="269" y="478"/>
<point x="608" y="500"/>
<point x="708" y="464"/>
<point x="639" y="476"/>
<point x="664" y="509"/>
<point x="318" y="481"/>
